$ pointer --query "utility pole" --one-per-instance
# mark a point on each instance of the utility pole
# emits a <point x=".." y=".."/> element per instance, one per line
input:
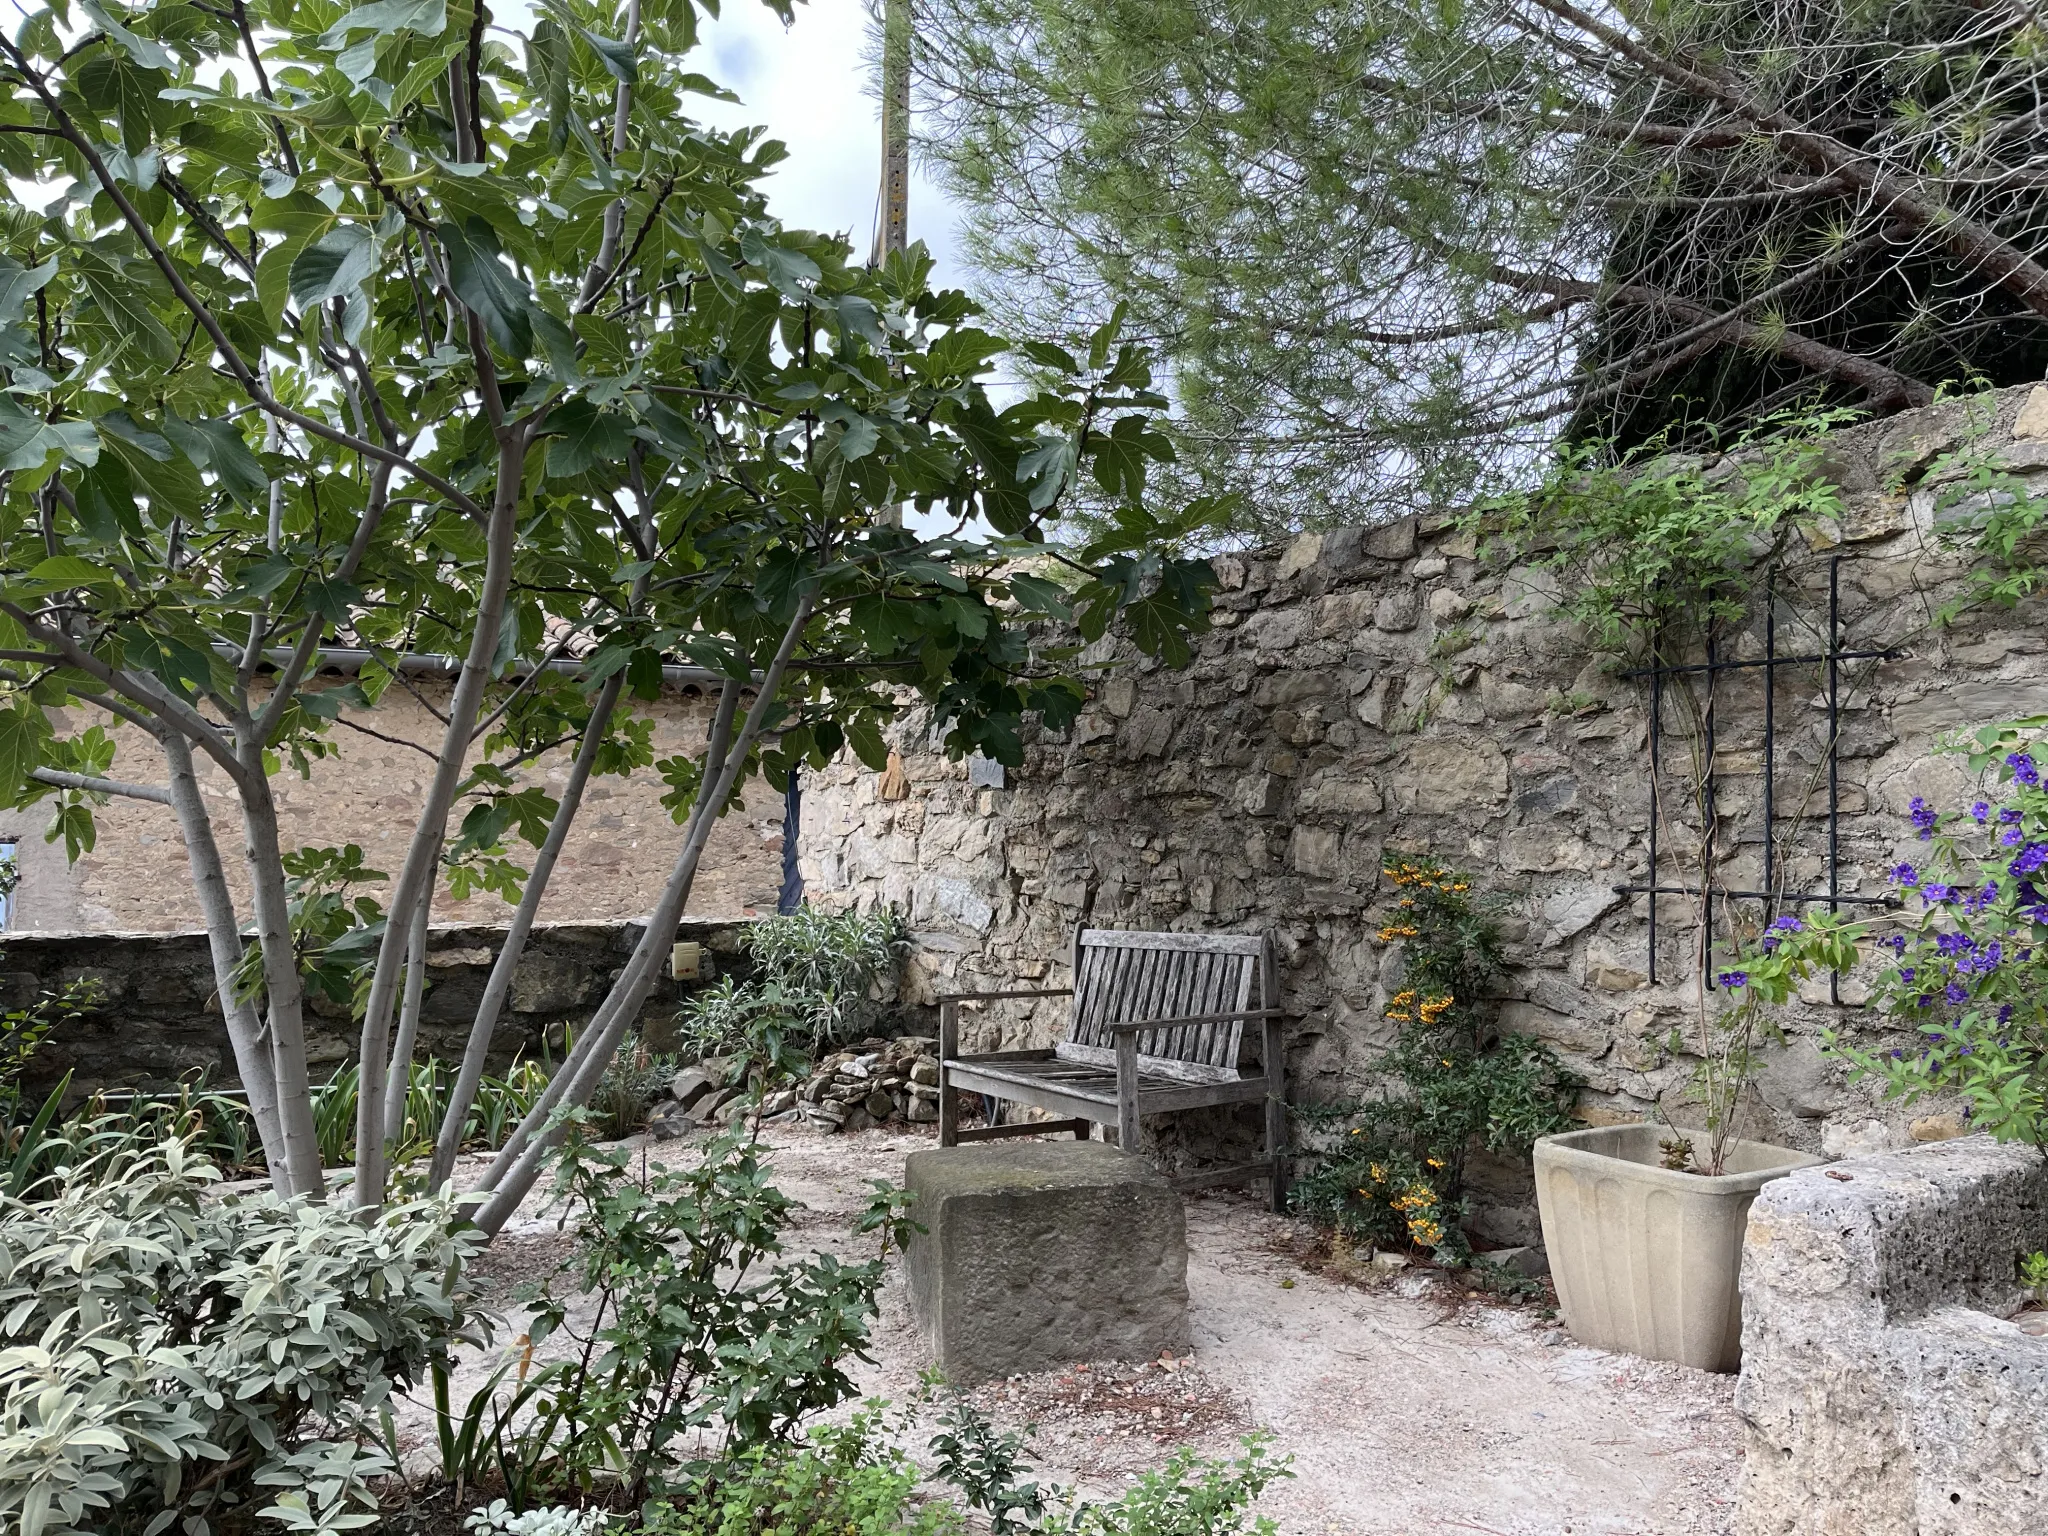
<point x="892" y="228"/>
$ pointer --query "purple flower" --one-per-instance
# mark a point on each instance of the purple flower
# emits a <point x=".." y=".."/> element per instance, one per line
<point x="1954" y="943"/>
<point x="2004" y="1015"/>
<point x="2029" y="861"/>
<point x="1907" y="973"/>
<point x="1787" y="924"/>
<point x="1771" y="942"/>
<point x="1904" y="874"/>
<point x="1980" y="811"/>
<point x="2011" y="837"/>
<point x="1924" y="817"/>
<point x="1734" y="979"/>
<point x="1924" y="1000"/>
<point x="1966" y="1050"/>
<point x="1897" y="942"/>
<point x="1956" y="992"/>
<point x="2023" y="769"/>
<point x="1934" y="893"/>
<point x="2009" y="817"/>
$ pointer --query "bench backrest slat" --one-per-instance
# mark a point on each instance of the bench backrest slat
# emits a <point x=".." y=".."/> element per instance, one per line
<point x="1122" y="975"/>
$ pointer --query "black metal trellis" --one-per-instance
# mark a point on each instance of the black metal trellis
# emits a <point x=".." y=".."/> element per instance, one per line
<point x="1771" y="661"/>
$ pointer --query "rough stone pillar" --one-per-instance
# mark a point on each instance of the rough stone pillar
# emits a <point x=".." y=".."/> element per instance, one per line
<point x="1884" y="1390"/>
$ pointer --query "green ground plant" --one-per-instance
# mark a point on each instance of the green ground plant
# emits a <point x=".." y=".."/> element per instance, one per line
<point x="987" y="1466"/>
<point x="1190" y="1496"/>
<point x="839" y="1480"/>
<point x="1390" y="1170"/>
<point x="2034" y="1276"/>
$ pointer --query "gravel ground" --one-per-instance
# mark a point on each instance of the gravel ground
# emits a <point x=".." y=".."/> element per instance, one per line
<point x="1407" y="1405"/>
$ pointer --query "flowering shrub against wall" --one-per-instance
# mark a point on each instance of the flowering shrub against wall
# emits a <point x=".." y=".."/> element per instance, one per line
<point x="1390" y="1170"/>
<point x="1965" y="964"/>
<point x="1968" y="971"/>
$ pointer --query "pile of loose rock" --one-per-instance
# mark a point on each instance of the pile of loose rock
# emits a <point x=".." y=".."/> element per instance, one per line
<point x="855" y="1087"/>
<point x="870" y="1084"/>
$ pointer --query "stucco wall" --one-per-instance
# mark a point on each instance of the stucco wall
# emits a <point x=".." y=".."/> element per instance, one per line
<point x="1369" y="693"/>
<point x="136" y="880"/>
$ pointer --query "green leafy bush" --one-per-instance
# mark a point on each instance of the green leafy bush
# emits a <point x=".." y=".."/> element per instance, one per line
<point x="817" y="973"/>
<point x="845" y="1480"/>
<point x="167" y="1357"/>
<point x="501" y="1103"/>
<point x="694" y="1321"/>
<point x="1653" y="547"/>
<point x="1391" y="1170"/>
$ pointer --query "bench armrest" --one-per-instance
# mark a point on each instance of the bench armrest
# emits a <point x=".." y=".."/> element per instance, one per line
<point x="1139" y="1026"/>
<point x="949" y="1012"/>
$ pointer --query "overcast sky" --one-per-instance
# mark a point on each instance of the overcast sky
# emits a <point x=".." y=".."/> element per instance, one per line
<point x="810" y="86"/>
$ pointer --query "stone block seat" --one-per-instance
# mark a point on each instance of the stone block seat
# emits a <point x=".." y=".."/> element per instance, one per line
<point x="1042" y="1254"/>
<point x="1886" y="1388"/>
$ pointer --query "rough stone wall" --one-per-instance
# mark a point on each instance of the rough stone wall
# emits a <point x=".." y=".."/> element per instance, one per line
<point x="136" y="879"/>
<point x="1885" y="1389"/>
<point x="1376" y="692"/>
<point x="159" y="1021"/>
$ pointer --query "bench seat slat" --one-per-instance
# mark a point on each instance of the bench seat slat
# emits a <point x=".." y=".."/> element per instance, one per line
<point x="1095" y="1086"/>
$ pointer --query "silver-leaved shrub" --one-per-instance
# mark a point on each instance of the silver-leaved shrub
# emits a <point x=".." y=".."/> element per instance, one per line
<point x="171" y="1359"/>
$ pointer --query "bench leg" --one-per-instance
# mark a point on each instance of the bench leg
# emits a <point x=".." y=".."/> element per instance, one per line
<point x="1276" y="1113"/>
<point x="1127" y="1091"/>
<point x="949" y="1047"/>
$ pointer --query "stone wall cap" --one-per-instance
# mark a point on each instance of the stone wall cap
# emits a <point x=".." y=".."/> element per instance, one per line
<point x="434" y="930"/>
<point x="1931" y="1171"/>
<point x="1027" y="1167"/>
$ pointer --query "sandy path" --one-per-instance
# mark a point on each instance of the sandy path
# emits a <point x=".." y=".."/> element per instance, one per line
<point x="1407" y="1409"/>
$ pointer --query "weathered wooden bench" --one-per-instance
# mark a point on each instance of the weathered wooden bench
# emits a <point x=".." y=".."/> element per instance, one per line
<point x="1156" y="1027"/>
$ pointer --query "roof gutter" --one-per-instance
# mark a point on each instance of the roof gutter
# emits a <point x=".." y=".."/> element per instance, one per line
<point x="429" y="664"/>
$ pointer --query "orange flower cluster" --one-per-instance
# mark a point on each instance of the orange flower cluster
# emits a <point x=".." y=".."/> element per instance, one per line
<point x="1418" y="1205"/>
<point x="1398" y="930"/>
<point x="1405" y="1005"/>
<point x="1426" y="877"/>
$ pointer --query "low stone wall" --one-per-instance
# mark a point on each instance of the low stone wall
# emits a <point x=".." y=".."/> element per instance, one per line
<point x="159" y="1021"/>
<point x="1885" y="1390"/>
<point x="1374" y="693"/>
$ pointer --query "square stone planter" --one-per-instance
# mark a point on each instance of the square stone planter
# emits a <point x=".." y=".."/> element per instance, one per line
<point x="1647" y="1260"/>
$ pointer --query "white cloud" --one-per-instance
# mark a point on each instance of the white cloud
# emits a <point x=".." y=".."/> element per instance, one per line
<point x="812" y="86"/>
